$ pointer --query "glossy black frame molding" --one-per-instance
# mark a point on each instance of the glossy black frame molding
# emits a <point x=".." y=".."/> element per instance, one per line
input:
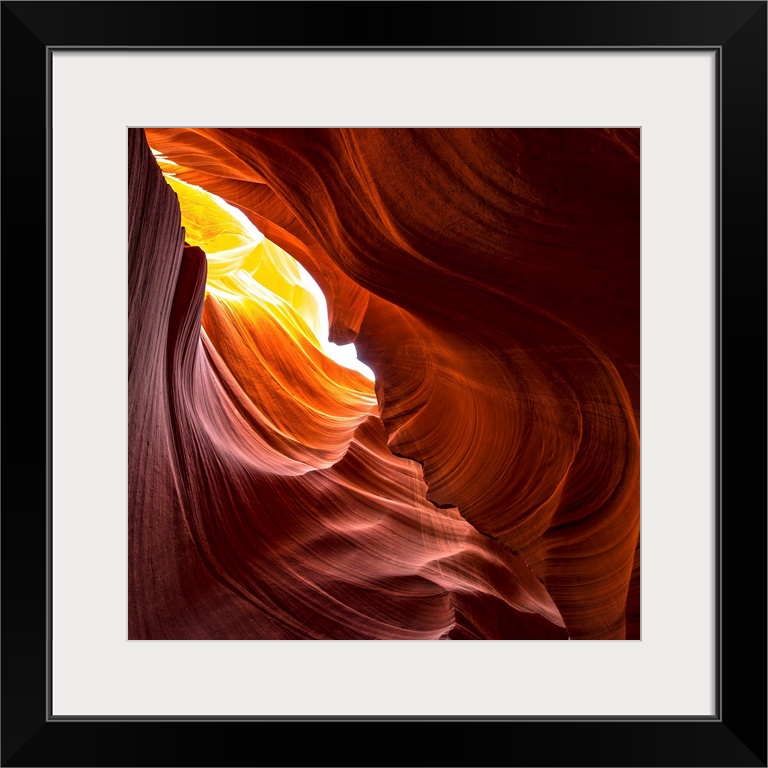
<point x="737" y="736"/>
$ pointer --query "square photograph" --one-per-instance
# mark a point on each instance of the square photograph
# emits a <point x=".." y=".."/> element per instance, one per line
<point x="384" y="383"/>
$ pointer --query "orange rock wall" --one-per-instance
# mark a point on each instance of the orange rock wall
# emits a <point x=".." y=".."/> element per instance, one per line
<point x="490" y="490"/>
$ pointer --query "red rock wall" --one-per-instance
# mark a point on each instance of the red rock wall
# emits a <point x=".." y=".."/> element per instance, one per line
<point x="491" y="279"/>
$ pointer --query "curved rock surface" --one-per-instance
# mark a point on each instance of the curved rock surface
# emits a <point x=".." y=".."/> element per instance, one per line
<point x="490" y="489"/>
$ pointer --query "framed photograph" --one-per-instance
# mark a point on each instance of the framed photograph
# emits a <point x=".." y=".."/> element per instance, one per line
<point x="380" y="343"/>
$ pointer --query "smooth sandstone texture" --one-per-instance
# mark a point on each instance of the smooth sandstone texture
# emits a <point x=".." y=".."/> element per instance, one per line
<point x="489" y="489"/>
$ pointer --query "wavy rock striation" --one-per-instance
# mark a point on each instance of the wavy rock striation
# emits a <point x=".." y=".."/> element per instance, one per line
<point x="489" y="489"/>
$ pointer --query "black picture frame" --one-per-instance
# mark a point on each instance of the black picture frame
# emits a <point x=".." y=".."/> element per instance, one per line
<point x="736" y="736"/>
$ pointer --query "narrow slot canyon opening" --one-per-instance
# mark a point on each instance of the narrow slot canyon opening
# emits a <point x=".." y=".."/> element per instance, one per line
<point x="243" y="265"/>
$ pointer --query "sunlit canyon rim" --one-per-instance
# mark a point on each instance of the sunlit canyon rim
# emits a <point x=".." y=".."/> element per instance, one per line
<point x="485" y="485"/>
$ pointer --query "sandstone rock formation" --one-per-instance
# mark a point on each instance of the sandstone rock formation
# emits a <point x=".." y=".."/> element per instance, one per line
<point x="488" y="488"/>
